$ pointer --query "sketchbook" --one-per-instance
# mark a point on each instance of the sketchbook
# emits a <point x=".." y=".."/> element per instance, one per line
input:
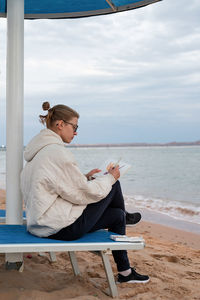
<point x="125" y="238"/>
<point x="112" y="163"/>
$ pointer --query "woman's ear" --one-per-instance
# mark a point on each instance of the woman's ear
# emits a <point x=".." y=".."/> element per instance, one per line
<point x="59" y="124"/>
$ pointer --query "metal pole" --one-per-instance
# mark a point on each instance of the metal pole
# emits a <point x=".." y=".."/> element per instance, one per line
<point x="14" y="120"/>
<point x="14" y="109"/>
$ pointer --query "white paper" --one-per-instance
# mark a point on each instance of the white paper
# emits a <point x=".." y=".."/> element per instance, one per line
<point x="111" y="162"/>
<point x="125" y="238"/>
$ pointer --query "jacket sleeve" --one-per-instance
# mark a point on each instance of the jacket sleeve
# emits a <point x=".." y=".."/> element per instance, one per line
<point x="74" y="187"/>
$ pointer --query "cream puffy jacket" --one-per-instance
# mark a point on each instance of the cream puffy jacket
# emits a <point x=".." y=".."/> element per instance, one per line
<point x="55" y="192"/>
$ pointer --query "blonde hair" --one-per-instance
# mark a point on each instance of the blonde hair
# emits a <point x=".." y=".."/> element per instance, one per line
<point x="57" y="112"/>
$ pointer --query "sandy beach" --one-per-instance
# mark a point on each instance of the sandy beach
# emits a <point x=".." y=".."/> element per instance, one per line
<point x="171" y="258"/>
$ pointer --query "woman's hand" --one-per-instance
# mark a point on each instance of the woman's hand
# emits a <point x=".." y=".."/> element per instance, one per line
<point x="115" y="172"/>
<point x="91" y="173"/>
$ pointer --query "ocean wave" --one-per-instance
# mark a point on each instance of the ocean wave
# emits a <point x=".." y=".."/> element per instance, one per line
<point x="178" y="210"/>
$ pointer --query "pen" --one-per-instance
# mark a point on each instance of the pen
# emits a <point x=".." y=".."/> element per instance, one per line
<point x="115" y="166"/>
<point x="117" y="162"/>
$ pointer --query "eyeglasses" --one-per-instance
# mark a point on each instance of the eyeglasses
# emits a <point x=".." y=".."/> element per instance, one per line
<point x="75" y="127"/>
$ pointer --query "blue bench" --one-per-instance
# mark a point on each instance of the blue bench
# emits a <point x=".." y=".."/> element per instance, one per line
<point x="16" y="239"/>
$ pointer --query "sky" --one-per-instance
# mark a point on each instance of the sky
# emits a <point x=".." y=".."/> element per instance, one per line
<point x="132" y="76"/>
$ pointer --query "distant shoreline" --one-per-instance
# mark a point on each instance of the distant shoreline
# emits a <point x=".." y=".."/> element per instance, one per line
<point x="171" y="144"/>
<point x="103" y="145"/>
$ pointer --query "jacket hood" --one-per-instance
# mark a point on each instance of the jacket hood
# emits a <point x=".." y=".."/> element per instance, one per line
<point x="44" y="138"/>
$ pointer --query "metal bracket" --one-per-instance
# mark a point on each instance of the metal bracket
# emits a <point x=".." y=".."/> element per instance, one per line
<point x="114" y="8"/>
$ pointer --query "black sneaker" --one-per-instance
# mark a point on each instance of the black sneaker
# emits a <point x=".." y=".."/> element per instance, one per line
<point x="134" y="277"/>
<point x="133" y="218"/>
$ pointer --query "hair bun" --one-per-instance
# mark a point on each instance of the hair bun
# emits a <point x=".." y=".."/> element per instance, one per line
<point x="45" y="106"/>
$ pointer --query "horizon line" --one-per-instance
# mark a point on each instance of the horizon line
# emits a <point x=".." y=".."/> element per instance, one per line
<point x="130" y="144"/>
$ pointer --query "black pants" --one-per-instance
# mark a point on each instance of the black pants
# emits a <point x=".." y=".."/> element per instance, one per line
<point x="109" y="213"/>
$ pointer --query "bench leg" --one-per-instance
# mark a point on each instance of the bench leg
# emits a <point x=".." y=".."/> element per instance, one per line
<point x="109" y="274"/>
<point x="52" y="256"/>
<point x="74" y="263"/>
<point x="14" y="261"/>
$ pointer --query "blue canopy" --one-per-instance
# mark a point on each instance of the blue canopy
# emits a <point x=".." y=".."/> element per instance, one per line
<point x="55" y="9"/>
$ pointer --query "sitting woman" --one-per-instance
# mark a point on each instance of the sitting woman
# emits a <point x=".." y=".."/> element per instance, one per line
<point x="62" y="203"/>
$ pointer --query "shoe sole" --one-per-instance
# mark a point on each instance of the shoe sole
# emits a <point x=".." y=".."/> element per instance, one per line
<point x="127" y="225"/>
<point x="135" y="223"/>
<point x="133" y="281"/>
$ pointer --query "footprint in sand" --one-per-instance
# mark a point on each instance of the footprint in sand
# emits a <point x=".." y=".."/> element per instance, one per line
<point x="193" y="275"/>
<point x="169" y="258"/>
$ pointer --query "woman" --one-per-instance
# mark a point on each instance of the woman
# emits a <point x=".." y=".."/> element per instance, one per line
<point x="62" y="203"/>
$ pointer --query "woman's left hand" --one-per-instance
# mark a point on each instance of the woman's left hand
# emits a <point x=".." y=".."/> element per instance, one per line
<point x="91" y="173"/>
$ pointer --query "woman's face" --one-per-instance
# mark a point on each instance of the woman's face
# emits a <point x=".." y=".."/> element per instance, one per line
<point x="68" y="130"/>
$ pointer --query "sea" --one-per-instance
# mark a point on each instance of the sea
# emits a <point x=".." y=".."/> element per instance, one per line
<point x="163" y="182"/>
